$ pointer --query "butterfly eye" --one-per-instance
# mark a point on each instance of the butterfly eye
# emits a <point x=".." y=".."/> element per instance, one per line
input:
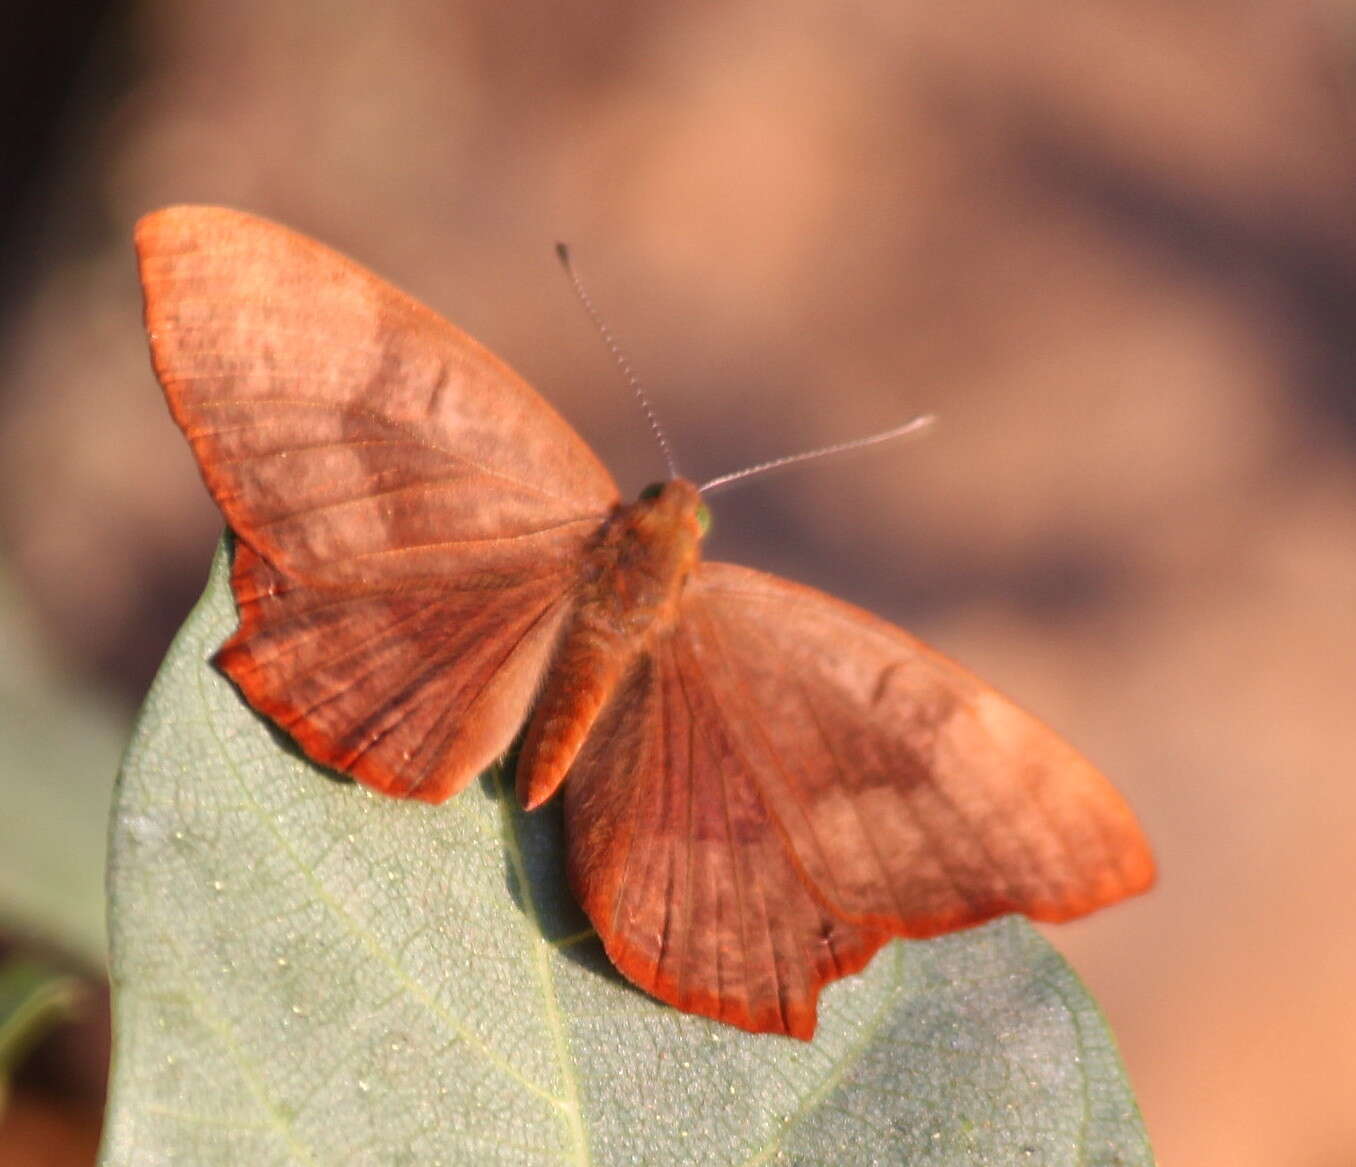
<point x="652" y="491"/>
<point x="703" y="517"/>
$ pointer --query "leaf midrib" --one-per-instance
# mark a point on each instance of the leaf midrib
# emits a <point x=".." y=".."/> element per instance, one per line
<point x="541" y="956"/>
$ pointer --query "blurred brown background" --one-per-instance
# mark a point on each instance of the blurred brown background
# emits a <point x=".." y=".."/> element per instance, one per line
<point x="1111" y="245"/>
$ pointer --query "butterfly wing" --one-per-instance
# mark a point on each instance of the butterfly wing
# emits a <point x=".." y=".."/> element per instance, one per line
<point x="412" y="690"/>
<point x="410" y="514"/>
<point x="815" y="780"/>
<point x="346" y="431"/>
<point x="678" y="861"/>
<point x="914" y="796"/>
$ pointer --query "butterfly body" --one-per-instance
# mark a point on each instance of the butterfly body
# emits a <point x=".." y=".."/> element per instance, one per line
<point x="761" y="784"/>
<point x="630" y="594"/>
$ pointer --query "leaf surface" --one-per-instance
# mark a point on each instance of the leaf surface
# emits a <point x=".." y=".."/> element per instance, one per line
<point x="307" y="972"/>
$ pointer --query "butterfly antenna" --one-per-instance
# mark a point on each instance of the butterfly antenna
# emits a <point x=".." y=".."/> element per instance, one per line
<point x="917" y="425"/>
<point x="619" y="356"/>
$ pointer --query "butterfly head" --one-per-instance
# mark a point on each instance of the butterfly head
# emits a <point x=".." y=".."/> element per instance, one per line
<point x="678" y="502"/>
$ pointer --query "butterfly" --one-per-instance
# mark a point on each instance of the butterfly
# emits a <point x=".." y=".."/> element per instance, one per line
<point x="761" y="784"/>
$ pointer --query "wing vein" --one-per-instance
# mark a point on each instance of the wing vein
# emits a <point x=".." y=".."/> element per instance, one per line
<point x="867" y="834"/>
<point x="412" y="547"/>
<point x="688" y="857"/>
<point x="400" y="427"/>
<point x="625" y="876"/>
<point x="727" y="718"/>
<point x="441" y="748"/>
<point x="387" y="638"/>
<point x="664" y="770"/>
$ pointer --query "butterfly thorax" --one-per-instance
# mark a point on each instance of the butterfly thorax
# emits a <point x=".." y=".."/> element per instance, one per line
<point x="638" y="567"/>
<point x="641" y="561"/>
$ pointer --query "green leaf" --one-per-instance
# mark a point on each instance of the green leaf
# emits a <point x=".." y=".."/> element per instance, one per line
<point x="59" y="750"/>
<point x="306" y="972"/>
<point x="33" y="998"/>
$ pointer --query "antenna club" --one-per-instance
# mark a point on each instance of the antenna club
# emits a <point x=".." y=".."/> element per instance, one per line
<point x="563" y="253"/>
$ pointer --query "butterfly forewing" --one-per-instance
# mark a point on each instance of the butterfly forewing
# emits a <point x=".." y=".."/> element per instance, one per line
<point x="914" y="797"/>
<point x="347" y="432"/>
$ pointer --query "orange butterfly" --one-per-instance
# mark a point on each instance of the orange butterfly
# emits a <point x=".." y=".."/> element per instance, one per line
<point x="765" y="784"/>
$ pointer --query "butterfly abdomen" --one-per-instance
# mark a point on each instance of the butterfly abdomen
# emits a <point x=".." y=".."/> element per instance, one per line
<point x="586" y="669"/>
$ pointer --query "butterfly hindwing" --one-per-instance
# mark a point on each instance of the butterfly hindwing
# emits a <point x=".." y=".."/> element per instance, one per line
<point x="678" y="861"/>
<point x="413" y="691"/>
